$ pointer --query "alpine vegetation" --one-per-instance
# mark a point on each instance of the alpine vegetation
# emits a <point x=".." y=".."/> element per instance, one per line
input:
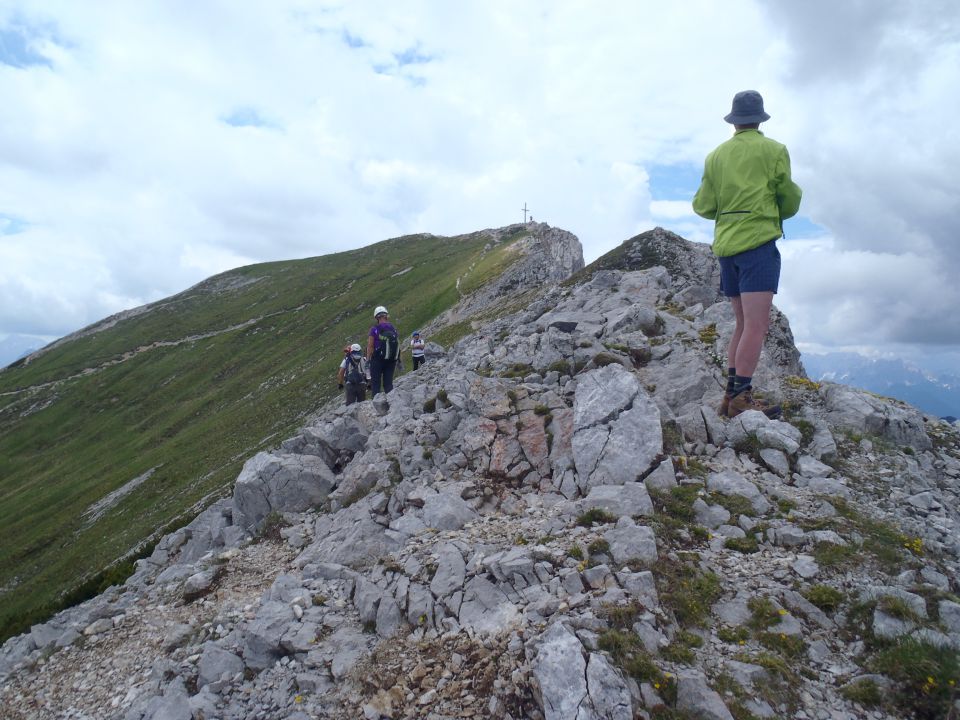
<point x="549" y="520"/>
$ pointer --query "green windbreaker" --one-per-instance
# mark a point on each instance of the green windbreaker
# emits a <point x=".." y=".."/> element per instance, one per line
<point x="747" y="189"/>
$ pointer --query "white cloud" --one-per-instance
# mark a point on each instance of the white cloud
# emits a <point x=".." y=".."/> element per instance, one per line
<point x="670" y="209"/>
<point x="151" y="145"/>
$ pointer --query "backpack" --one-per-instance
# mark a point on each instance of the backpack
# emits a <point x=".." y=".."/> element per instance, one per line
<point x="389" y="344"/>
<point x="354" y="375"/>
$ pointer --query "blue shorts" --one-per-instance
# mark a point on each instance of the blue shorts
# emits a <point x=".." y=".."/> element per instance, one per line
<point x="756" y="270"/>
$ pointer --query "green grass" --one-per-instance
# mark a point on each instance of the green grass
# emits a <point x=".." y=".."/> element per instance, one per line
<point x="191" y="389"/>
<point x="686" y="589"/>
<point x="744" y="545"/>
<point x="824" y="597"/>
<point x="595" y="515"/>
<point x="925" y="675"/>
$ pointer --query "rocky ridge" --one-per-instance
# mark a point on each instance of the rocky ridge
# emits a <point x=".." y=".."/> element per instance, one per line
<point x="550" y="521"/>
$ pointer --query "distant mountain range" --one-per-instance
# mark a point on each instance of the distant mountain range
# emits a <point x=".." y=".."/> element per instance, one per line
<point x="934" y="393"/>
<point x="14" y="347"/>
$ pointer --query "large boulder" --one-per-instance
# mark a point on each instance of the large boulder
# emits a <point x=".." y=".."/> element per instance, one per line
<point x="863" y="413"/>
<point x="617" y="434"/>
<point x="559" y="670"/>
<point x="279" y="483"/>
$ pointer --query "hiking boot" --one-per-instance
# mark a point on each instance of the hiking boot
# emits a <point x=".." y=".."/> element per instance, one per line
<point x="744" y="401"/>
<point x="724" y="407"/>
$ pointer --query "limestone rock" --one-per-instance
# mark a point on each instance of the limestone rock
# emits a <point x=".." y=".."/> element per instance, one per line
<point x="276" y="483"/>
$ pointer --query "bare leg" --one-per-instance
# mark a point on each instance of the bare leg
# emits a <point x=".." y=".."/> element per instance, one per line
<point x="737" y="332"/>
<point x="753" y="321"/>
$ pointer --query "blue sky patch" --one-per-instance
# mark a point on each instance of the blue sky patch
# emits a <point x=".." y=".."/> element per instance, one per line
<point x="11" y="225"/>
<point x="247" y="117"/>
<point x="412" y="56"/>
<point x="353" y="41"/>
<point x="802" y="227"/>
<point x="674" y="182"/>
<point x="16" y="48"/>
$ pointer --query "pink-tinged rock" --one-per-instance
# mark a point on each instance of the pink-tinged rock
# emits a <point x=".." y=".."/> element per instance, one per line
<point x="503" y="455"/>
<point x="533" y="440"/>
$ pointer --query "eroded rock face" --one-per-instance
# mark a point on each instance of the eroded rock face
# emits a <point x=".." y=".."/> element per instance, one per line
<point x="279" y="483"/>
<point x="864" y="413"/>
<point x="487" y="539"/>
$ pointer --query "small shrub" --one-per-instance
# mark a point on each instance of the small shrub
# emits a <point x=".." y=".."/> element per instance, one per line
<point x="622" y="617"/>
<point x="786" y="506"/>
<point x="829" y="555"/>
<point x="801" y="383"/>
<point x="896" y="607"/>
<point x="672" y="437"/>
<point x="430" y="405"/>
<point x="517" y="370"/>
<point x="926" y="676"/>
<point x="541" y="410"/>
<point x="560" y="366"/>
<point x="763" y="613"/>
<point x="746" y="544"/>
<point x="696" y="469"/>
<point x="677" y="502"/>
<point x="824" y="597"/>
<point x="270" y="530"/>
<point x="708" y="335"/>
<point x="576" y="552"/>
<point x="598" y="547"/>
<point x="749" y="445"/>
<point x="681" y="649"/>
<point x="595" y="515"/>
<point x="736" y="635"/>
<point x="686" y="590"/>
<point x="736" y="504"/>
<point x="806" y="429"/>
<point x="602" y="359"/>
<point x="699" y="533"/>
<point x="864" y="691"/>
<point x="790" y="646"/>
<point x="678" y="653"/>
<point x="442" y="396"/>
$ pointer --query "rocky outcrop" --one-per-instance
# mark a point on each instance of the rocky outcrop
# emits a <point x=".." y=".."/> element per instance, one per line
<point x="548" y="520"/>
<point x="545" y="256"/>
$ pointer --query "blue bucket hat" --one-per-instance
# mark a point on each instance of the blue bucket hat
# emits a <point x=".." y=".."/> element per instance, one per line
<point x="747" y="109"/>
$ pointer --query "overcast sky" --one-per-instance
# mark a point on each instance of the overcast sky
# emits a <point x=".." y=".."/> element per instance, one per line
<point x="145" y="146"/>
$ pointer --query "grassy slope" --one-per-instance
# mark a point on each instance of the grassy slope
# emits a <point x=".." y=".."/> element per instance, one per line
<point x="194" y="410"/>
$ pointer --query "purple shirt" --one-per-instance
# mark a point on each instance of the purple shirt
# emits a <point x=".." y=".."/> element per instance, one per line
<point x="375" y="333"/>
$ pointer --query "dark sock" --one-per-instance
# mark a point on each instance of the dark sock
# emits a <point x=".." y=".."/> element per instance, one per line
<point x="741" y="383"/>
<point x="731" y="374"/>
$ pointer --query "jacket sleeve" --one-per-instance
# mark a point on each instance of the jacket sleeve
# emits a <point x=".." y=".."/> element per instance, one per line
<point x="705" y="201"/>
<point x="788" y="192"/>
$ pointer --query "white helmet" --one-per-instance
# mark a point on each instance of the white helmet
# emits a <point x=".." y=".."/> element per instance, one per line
<point x="355" y="348"/>
<point x="381" y="310"/>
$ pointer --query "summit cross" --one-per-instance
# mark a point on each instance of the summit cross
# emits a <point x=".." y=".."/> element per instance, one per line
<point x="525" y="211"/>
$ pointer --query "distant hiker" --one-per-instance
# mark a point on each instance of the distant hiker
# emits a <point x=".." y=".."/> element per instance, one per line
<point x="747" y="189"/>
<point x="383" y="351"/>
<point x="354" y="374"/>
<point x="417" y="349"/>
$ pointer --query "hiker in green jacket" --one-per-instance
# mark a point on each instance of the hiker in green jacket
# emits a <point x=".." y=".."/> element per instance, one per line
<point x="746" y="188"/>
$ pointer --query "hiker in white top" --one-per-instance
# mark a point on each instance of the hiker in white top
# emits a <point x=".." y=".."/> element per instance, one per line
<point x="416" y="349"/>
<point x="354" y="374"/>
